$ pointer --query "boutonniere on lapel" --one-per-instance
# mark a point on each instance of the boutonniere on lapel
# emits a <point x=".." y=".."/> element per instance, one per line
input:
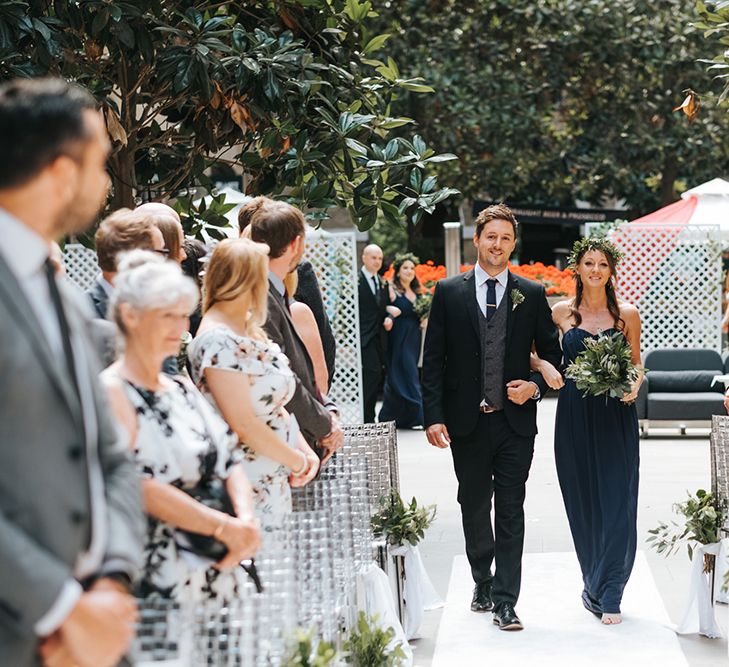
<point x="517" y="298"/>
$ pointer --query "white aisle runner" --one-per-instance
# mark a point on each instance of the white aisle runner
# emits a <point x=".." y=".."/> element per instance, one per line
<point x="558" y="629"/>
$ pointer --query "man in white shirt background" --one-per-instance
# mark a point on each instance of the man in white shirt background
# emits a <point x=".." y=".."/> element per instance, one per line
<point x="373" y="323"/>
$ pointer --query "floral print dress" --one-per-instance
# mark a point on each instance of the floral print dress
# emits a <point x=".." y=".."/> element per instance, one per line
<point x="272" y="384"/>
<point x="180" y="441"/>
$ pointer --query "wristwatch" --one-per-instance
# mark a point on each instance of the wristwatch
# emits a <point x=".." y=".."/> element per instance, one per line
<point x="537" y="393"/>
<point x="121" y="578"/>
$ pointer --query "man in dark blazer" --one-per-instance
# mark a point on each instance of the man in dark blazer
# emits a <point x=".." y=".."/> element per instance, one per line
<point x="71" y="521"/>
<point x="373" y="323"/>
<point x="309" y="292"/>
<point x="122" y="231"/>
<point x="480" y="397"/>
<point x="281" y="226"/>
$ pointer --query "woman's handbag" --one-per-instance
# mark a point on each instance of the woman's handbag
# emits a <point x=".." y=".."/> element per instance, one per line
<point x="215" y="496"/>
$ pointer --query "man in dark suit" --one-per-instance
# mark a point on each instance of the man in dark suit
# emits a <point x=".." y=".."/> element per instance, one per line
<point x="309" y="292"/>
<point x="281" y="226"/>
<point x="373" y="323"/>
<point x="70" y="507"/>
<point x="480" y="398"/>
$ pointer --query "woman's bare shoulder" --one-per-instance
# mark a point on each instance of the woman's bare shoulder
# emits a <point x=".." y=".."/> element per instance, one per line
<point x="628" y="311"/>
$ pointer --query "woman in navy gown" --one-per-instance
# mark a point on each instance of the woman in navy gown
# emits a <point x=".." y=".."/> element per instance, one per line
<point x="596" y="438"/>
<point x="403" y="400"/>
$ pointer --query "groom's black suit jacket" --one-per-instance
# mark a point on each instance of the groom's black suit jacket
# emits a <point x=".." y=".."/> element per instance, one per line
<point x="452" y="356"/>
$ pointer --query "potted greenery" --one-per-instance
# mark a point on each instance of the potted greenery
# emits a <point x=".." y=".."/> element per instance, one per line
<point x="703" y="520"/>
<point x="303" y="653"/>
<point x="370" y="645"/>
<point x="402" y="524"/>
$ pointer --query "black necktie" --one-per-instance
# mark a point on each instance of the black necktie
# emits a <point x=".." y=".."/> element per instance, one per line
<point x="50" y="271"/>
<point x="490" y="298"/>
<point x="374" y="283"/>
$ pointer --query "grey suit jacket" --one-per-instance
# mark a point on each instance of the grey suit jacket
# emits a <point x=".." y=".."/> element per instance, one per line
<point x="314" y="419"/>
<point x="46" y="447"/>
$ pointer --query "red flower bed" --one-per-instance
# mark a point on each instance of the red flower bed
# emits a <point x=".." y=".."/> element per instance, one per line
<point x="558" y="282"/>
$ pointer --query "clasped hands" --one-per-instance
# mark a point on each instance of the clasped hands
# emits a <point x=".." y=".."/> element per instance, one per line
<point x="97" y="632"/>
<point x="334" y="440"/>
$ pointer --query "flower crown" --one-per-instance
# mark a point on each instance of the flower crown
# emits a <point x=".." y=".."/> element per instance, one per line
<point x="402" y="258"/>
<point x="601" y="243"/>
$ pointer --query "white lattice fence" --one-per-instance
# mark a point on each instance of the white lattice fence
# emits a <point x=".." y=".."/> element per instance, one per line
<point x="80" y="263"/>
<point x="672" y="273"/>
<point x="333" y="256"/>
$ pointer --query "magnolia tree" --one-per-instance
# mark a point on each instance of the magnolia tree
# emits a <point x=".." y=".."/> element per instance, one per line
<point x="548" y="102"/>
<point x="288" y="89"/>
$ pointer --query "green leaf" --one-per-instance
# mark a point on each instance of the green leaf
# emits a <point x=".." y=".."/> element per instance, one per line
<point x="375" y="43"/>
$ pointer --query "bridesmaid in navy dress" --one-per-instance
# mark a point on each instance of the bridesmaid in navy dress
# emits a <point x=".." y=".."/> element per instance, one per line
<point x="596" y="438"/>
<point x="403" y="400"/>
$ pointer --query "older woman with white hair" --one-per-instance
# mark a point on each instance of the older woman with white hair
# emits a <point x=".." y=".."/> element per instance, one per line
<point x="182" y="448"/>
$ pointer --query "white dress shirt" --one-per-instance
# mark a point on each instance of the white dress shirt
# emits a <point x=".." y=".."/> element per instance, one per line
<point x="25" y="253"/>
<point x="481" y="287"/>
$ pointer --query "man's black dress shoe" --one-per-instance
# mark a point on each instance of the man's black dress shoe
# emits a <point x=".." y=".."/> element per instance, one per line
<point x="505" y="617"/>
<point x="482" y="601"/>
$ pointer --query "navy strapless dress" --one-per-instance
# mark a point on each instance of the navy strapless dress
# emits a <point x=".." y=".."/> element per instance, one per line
<point x="597" y="456"/>
<point x="403" y="400"/>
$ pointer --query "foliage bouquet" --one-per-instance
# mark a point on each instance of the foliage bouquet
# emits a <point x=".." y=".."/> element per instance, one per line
<point x="604" y="367"/>
<point x="704" y="518"/>
<point x="400" y="523"/>
<point x="422" y="304"/>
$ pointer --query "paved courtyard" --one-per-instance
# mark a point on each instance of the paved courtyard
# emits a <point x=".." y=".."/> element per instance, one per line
<point x="670" y="465"/>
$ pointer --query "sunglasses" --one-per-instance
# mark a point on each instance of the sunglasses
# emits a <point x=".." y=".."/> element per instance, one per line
<point x="249" y="567"/>
<point x="164" y="252"/>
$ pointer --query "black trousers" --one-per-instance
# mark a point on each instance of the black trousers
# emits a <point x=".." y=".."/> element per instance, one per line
<point x="372" y="374"/>
<point x="493" y="461"/>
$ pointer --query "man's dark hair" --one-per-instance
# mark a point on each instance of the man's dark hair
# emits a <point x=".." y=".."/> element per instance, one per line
<point x="495" y="212"/>
<point x="277" y="224"/>
<point x="40" y="120"/>
<point x="122" y="231"/>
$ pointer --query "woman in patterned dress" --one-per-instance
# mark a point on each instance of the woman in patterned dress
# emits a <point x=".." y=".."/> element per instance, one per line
<point x="179" y="442"/>
<point x="249" y="379"/>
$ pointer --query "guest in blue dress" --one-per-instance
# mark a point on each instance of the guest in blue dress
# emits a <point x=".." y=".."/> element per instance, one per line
<point x="403" y="401"/>
<point x="596" y="437"/>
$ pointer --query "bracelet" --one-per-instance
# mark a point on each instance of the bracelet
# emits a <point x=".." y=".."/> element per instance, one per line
<point x="304" y="467"/>
<point x="218" y="532"/>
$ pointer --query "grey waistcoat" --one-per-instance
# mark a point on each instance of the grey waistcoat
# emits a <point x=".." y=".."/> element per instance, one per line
<point x="493" y="351"/>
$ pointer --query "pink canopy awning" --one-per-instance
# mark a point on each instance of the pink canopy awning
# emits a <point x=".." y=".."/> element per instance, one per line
<point x="678" y="213"/>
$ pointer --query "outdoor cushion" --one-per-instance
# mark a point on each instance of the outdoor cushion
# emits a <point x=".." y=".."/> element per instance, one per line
<point x="682" y="381"/>
<point x="678" y="359"/>
<point x="684" y="407"/>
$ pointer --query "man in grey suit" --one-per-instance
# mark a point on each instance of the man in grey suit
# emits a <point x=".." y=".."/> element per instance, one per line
<point x="71" y="522"/>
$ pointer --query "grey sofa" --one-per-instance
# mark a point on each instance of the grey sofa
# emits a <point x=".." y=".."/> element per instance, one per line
<point x="677" y="390"/>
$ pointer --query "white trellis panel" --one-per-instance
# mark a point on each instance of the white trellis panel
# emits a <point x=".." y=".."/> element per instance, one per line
<point x="80" y="264"/>
<point x="672" y="273"/>
<point x="333" y="256"/>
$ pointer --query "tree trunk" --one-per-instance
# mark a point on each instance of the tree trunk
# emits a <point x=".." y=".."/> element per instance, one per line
<point x="123" y="178"/>
<point x="668" y="179"/>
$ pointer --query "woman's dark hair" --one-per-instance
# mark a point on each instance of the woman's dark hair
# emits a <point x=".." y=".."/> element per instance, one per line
<point x="397" y="265"/>
<point x="196" y="251"/>
<point x="40" y="120"/>
<point x="612" y="298"/>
